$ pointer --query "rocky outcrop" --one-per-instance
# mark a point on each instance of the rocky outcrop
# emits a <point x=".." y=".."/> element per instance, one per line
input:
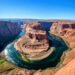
<point x="70" y="55"/>
<point x="24" y="72"/>
<point x="64" y="28"/>
<point x="34" y="41"/>
<point x="49" y="72"/>
<point x="69" y="69"/>
<point x="8" y="31"/>
<point x="19" y="72"/>
<point x="67" y="30"/>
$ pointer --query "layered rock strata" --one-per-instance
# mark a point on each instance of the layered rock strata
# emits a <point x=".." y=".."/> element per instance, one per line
<point x="34" y="41"/>
<point x="8" y="31"/>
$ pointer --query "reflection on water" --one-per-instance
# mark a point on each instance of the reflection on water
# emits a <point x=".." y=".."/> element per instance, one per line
<point x="13" y="56"/>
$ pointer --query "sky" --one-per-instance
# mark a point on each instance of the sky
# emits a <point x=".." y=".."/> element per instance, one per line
<point x="38" y="9"/>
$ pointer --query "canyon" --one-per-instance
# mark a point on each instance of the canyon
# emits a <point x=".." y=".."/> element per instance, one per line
<point x="36" y="41"/>
<point x="65" y="29"/>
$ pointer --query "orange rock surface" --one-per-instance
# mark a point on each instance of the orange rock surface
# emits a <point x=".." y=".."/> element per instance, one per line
<point x="69" y="69"/>
<point x="49" y="72"/>
<point x="24" y="72"/>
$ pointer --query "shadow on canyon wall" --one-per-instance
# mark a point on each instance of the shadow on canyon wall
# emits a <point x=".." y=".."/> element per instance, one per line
<point x="46" y="25"/>
<point x="8" y="32"/>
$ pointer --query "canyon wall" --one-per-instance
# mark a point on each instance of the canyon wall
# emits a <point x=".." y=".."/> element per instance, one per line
<point x="8" y="31"/>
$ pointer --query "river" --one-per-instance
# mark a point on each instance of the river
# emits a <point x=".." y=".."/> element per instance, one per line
<point x="13" y="56"/>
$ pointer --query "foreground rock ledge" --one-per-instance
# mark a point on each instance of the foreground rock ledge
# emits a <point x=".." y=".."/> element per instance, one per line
<point x="34" y="41"/>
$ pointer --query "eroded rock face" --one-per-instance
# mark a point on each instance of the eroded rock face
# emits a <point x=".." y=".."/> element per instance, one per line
<point x="69" y="69"/>
<point x="34" y="41"/>
<point x="67" y="30"/>
<point x="70" y="55"/>
<point x="8" y="31"/>
<point x="64" y="28"/>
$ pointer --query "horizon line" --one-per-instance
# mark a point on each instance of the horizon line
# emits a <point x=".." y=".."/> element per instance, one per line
<point x="38" y="19"/>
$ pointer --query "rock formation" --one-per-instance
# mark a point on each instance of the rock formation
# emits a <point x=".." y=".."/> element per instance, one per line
<point x="67" y="30"/>
<point x="24" y="72"/>
<point x="69" y="69"/>
<point x="64" y="28"/>
<point x="70" y="55"/>
<point x="49" y="72"/>
<point x="8" y="31"/>
<point x="34" y="41"/>
<point x="19" y="72"/>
